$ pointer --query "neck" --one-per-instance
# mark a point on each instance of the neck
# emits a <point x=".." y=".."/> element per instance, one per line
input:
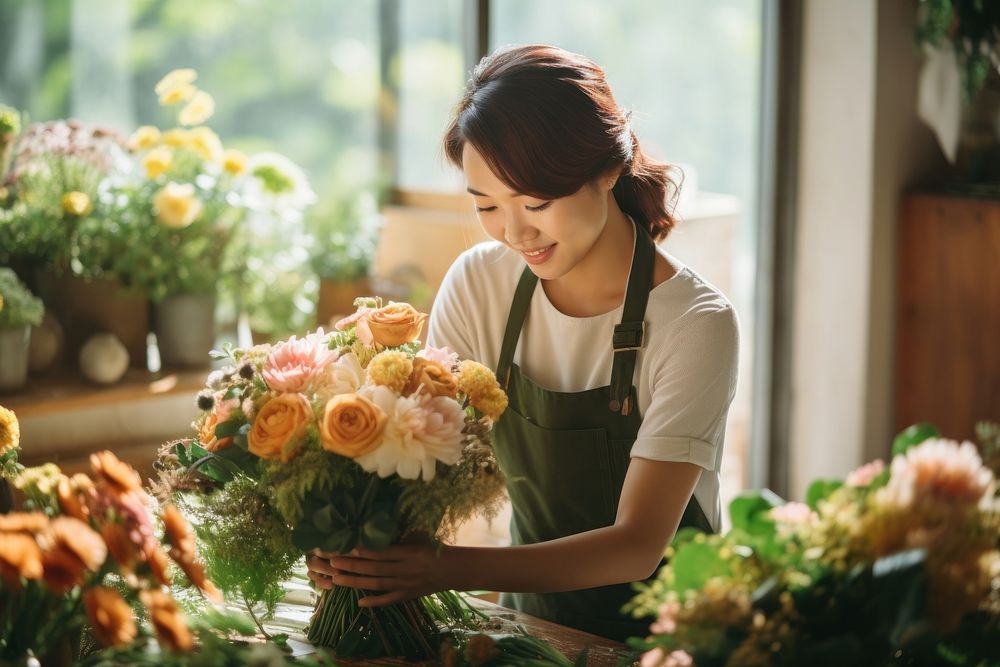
<point x="597" y="283"/>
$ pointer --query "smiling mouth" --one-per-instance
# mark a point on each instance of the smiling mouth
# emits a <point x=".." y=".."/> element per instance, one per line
<point x="536" y="253"/>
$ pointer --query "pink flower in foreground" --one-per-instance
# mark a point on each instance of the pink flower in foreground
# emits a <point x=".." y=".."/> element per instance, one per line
<point x="442" y="355"/>
<point x="291" y="365"/>
<point x="936" y="469"/>
<point x="343" y="324"/>
<point x="793" y="514"/>
<point x="866" y="474"/>
<point x="666" y="622"/>
<point x="658" y="658"/>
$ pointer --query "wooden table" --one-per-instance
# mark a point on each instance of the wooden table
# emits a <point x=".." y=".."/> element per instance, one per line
<point x="292" y="615"/>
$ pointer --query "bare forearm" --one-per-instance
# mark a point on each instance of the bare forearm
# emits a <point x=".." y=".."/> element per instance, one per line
<point x="599" y="557"/>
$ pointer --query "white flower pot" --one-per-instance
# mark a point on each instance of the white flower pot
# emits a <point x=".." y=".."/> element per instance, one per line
<point x="14" y="343"/>
<point x="185" y="329"/>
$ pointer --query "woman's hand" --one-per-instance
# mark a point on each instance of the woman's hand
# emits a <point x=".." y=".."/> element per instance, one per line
<point x="406" y="571"/>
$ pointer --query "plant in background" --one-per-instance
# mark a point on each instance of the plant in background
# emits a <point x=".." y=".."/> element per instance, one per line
<point x="55" y="177"/>
<point x="10" y="127"/>
<point x="972" y="27"/>
<point x="894" y="565"/>
<point x="18" y="306"/>
<point x="344" y="239"/>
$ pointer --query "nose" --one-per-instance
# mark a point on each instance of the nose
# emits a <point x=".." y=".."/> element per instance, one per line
<point x="518" y="231"/>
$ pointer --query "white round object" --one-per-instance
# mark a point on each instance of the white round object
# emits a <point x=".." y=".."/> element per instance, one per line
<point x="103" y="359"/>
<point x="46" y="344"/>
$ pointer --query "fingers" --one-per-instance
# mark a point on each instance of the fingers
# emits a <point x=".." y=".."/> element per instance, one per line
<point x="320" y="565"/>
<point x="370" y="583"/>
<point x="320" y="580"/>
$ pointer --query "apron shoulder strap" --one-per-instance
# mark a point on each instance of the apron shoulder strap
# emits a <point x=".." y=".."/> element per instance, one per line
<point x="515" y="320"/>
<point x="629" y="334"/>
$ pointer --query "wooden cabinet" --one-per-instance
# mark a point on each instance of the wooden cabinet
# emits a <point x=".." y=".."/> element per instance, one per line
<point x="948" y="318"/>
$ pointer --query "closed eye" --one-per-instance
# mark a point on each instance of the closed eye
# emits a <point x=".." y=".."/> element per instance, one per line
<point x="540" y="207"/>
<point x="486" y="209"/>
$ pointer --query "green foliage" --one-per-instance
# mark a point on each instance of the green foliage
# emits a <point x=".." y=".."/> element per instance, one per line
<point x="244" y="542"/>
<point x="18" y="306"/>
<point x="972" y="27"/>
<point x="10" y="122"/>
<point x="821" y="489"/>
<point x="748" y="511"/>
<point x="344" y="239"/>
<point x="335" y="520"/>
<point x="312" y="469"/>
<point x="913" y="436"/>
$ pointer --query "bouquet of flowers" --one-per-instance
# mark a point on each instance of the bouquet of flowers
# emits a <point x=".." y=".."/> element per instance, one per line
<point x="359" y="437"/>
<point x="895" y="565"/>
<point x="86" y="552"/>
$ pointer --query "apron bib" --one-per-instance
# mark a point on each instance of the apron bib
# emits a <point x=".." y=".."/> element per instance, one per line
<point x="565" y="456"/>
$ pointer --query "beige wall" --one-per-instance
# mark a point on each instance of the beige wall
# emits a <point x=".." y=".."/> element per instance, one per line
<point x="861" y="145"/>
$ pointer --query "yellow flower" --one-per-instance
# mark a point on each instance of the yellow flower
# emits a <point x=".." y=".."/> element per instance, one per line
<point x="480" y="384"/>
<point x="45" y="478"/>
<point x="76" y="203"/>
<point x="177" y="137"/>
<point x="176" y="205"/>
<point x="198" y="110"/>
<point x="390" y="369"/>
<point x="175" y="78"/>
<point x="157" y="161"/>
<point x="181" y="93"/>
<point x="145" y="137"/>
<point x="10" y="431"/>
<point x="234" y="161"/>
<point x="206" y="143"/>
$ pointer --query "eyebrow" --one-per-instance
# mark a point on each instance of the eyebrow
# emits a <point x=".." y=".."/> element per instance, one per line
<point x="477" y="193"/>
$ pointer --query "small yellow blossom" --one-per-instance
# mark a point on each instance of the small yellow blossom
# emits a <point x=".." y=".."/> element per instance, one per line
<point x="176" y="205"/>
<point x="206" y="143"/>
<point x="175" y="78"/>
<point x="145" y="137"/>
<point x="234" y="161"/>
<point x="198" y="110"/>
<point x="181" y="93"/>
<point x="177" y="137"/>
<point x="480" y="384"/>
<point x="390" y="369"/>
<point x="76" y="203"/>
<point x="10" y="431"/>
<point x="157" y="161"/>
<point x="45" y="478"/>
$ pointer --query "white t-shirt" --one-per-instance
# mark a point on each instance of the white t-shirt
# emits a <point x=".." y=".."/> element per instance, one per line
<point x="685" y="372"/>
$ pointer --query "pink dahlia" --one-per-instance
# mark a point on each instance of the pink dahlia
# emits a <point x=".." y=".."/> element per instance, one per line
<point x="941" y="470"/>
<point x="866" y="474"/>
<point x="292" y="364"/>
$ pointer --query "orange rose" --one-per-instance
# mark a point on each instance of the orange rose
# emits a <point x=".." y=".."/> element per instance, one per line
<point x="280" y="422"/>
<point x="395" y="324"/>
<point x="434" y="377"/>
<point x="110" y="616"/>
<point x="207" y="434"/>
<point x="351" y="426"/>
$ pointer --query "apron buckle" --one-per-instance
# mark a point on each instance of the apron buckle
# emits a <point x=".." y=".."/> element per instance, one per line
<point x="628" y="336"/>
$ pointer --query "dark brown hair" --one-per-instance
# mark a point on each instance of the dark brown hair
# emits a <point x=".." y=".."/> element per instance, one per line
<point x="546" y="123"/>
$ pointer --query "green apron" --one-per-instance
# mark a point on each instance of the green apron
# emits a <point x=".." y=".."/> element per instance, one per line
<point x="565" y="456"/>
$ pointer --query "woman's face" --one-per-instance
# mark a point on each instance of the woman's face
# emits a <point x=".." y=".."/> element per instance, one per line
<point x="552" y="236"/>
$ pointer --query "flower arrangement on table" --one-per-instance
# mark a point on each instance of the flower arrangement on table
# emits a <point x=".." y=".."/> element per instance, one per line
<point x="895" y="565"/>
<point x="356" y="438"/>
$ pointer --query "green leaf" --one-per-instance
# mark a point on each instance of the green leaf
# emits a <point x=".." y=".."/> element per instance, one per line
<point x="748" y="511"/>
<point x="197" y="451"/>
<point x="913" y="436"/>
<point x="900" y="587"/>
<point x="685" y="535"/>
<point x="182" y="455"/>
<point x="341" y="540"/>
<point x="378" y="532"/>
<point x="820" y="490"/>
<point x="215" y="472"/>
<point x="694" y="564"/>
<point x="323" y="519"/>
<point x="307" y="537"/>
<point x="227" y="429"/>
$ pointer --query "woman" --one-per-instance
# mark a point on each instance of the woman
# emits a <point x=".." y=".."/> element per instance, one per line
<point x="619" y="361"/>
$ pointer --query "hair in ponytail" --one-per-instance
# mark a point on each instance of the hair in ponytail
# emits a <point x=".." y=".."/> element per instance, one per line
<point x="546" y="123"/>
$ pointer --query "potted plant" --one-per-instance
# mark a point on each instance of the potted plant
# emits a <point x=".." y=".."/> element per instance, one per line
<point x="342" y="250"/>
<point x="176" y="212"/>
<point x="19" y="311"/>
<point x="960" y="86"/>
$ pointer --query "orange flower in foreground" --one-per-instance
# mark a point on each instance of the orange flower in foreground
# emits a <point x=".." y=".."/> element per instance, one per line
<point x="23" y="522"/>
<point x="72" y="492"/>
<point x="72" y="548"/>
<point x="19" y="557"/>
<point x="182" y="551"/>
<point x="114" y="472"/>
<point x="110" y="616"/>
<point x="167" y="620"/>
<point x="123" y="551"/>
<point x="158" y="564"/>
